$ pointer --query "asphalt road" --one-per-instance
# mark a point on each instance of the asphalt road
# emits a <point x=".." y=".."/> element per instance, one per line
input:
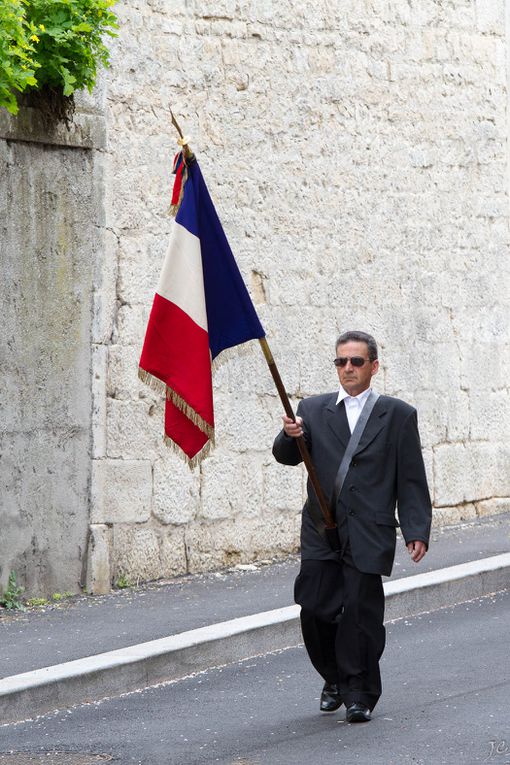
<point x="446" y="700"/>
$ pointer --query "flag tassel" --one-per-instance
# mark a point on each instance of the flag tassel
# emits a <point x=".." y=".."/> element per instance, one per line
<point x="180" y="168"/>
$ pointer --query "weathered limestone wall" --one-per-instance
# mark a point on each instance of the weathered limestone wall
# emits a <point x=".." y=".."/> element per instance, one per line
<point x="50" y="240"/>
<point x="358" y="156"/>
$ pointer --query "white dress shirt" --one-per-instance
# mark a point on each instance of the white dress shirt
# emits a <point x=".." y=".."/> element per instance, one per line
<point x="353" y="405"/>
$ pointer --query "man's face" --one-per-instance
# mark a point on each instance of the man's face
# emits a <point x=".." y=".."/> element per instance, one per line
<point x="353" y="379"/>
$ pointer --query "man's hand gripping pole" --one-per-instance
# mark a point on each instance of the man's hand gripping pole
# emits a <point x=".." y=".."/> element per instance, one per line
<point x="329" y="522"/>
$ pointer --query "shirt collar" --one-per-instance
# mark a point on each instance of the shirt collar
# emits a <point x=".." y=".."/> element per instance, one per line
<point x="361" y="398"/>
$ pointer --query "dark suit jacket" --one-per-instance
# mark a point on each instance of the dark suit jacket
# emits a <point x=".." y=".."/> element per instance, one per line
<point x="387" y="468"/>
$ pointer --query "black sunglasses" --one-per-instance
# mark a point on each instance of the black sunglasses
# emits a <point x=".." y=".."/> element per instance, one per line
<point x="356" y="361"/>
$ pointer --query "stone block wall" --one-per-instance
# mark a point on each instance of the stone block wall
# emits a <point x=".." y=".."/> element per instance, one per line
<point x="51" y="222"/>
<point x="357" y="153"/>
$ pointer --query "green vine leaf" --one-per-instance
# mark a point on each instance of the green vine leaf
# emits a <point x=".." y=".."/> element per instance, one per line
<point x="56" y="44"/>
<point x="17" y="60"/>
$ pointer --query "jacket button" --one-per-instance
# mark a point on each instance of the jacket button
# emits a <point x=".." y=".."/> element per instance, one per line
<point x="351" y="512"/>
<point x="352" y="488"/>
<point x="354" y="463"/>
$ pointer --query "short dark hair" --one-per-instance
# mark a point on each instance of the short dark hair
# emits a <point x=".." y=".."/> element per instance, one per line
<point x="360" y="337"/>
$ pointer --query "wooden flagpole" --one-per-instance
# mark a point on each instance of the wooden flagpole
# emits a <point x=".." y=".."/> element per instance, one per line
<point x="329" y="521"/>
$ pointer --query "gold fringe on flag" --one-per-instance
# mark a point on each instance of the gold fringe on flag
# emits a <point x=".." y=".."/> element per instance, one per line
<point x="243" y="350"/>
<point x="163" y="389"/>
<point x="190" y="413"/>
<point x="153" y="382"/>
<point x="194" y="461"/>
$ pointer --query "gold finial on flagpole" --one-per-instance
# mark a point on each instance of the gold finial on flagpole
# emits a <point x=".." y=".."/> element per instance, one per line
<point x="182" y="140"/>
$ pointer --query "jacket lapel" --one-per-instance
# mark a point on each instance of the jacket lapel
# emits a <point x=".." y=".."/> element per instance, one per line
<point x="336" y="419"/>
<point x="375" y="424"/>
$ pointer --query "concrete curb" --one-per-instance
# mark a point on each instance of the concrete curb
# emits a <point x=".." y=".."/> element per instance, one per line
<point x="446" y="586"/>
<point x="139" y="666"/>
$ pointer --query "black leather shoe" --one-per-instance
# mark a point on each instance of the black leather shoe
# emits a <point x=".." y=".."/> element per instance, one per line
<point x="330" y="698"/>
<point x="357" y="713"/>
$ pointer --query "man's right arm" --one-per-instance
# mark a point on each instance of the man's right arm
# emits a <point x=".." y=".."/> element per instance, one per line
<point x="285" y="448"/>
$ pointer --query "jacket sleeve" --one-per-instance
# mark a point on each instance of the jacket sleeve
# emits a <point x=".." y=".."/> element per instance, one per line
<point x="414" y="506"/>
<point x="285" y="449"/>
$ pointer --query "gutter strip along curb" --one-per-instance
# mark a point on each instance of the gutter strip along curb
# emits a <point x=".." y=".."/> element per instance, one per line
<point x="174" y="657"/>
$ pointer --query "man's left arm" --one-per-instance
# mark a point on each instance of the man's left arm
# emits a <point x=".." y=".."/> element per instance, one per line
<point x="413" y="498"/>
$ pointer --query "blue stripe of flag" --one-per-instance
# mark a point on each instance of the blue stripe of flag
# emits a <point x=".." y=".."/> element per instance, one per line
<point x="231" y="316"/>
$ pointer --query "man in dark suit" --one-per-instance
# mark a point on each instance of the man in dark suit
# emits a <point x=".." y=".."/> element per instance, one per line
<point x="341" y="593"/>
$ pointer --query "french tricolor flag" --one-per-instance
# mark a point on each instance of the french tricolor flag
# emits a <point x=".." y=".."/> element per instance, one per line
<point x="201" y="307"/>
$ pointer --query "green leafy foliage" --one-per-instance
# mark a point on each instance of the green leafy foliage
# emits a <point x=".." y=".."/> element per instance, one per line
<point x="17" y="61"/>
<point x="35" y="602"/>
<point x="12" y="596"/>
<point x="52" y="44"/>
<point x="122" y="582"/>
<point x="69" y="41"/>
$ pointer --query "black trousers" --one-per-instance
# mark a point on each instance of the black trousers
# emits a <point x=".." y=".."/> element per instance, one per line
<point x="342" y="615"/>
